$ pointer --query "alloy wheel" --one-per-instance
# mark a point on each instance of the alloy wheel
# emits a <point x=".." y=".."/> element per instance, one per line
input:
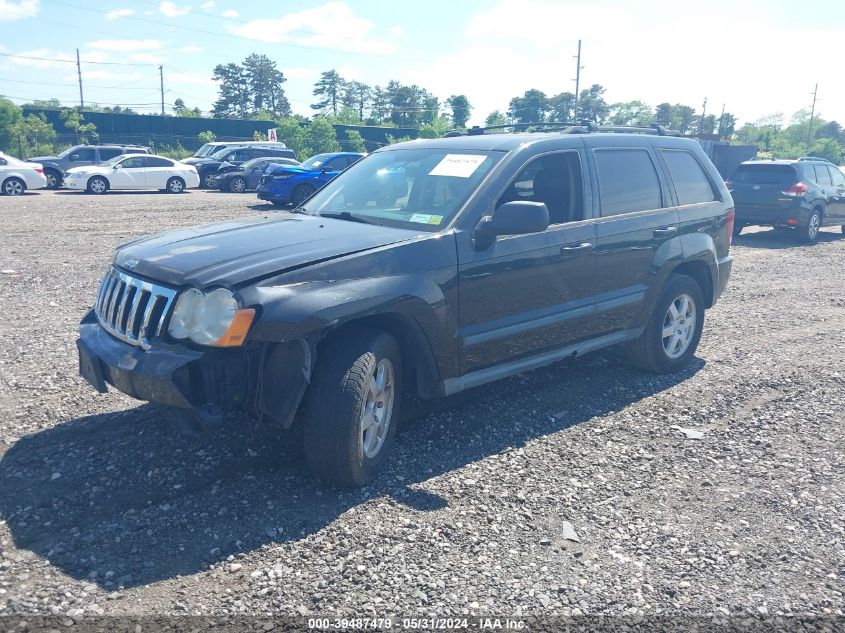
<point x="377" y="410"/>
<point x="679" y="326"/>
<point x="13" y="188"/>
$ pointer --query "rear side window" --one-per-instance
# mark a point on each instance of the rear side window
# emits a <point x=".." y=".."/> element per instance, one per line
<point x="691" y="183"/>
<point x="837" y="176"/>
<point x="765" y="175"/>
<point x="155" y="161"/>
<point x="628" y="181"/>
<point x="107" y="153"/>
<point x="822" y="175"/>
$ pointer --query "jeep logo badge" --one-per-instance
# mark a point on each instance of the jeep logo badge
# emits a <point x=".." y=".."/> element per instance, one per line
<point x="131" y="263"/>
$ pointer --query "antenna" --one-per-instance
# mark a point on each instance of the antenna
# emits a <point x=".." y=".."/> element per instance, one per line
<point x="578" y="68"/>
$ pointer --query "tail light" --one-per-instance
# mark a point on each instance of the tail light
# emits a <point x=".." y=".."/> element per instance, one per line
<point x="730" y="217"/>
<point x="729" y="185"/>
<point x="39" y="170"/>
<point x="796" y="191"/>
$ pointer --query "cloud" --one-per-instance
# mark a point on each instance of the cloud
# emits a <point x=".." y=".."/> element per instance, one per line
<point x="230" y="13"/>
<point x="201" y="79"/>
<point x="124" y="46"/>
<point x="171" y="10"/>
<point x="11" y="11"/>
<point x="190" y="49"/>
<point x="146" y="58"/>
<point x="114" y="14"/>
<point x="207" y="6"/>
<point x="332" y="25"/>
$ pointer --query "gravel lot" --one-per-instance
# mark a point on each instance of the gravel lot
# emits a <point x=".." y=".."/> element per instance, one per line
<point x="106" y="509"/>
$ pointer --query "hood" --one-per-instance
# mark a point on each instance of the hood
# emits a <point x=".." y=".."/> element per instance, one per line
<point x="192" y="160"/>
<point x="42" y="159"/>
<point x="201" y="161"/>
<point x="231" y="253"/>
<point x="90" y="169"/>
<point x="277" y="168"/>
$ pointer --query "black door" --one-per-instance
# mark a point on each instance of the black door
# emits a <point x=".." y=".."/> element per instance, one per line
<point x="836" y="210"/>
<point x="526" y="294"/>
<point x="637" y="222"/>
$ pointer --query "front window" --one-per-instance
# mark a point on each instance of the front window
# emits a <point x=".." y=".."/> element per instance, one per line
<point x="111" y="162"/>
<point x="205" y="150"/>
<point x="315" y="162"/>
<point x="409" y="188"/>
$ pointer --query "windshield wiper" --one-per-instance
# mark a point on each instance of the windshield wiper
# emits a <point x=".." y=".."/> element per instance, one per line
<point x="345" y="215"/>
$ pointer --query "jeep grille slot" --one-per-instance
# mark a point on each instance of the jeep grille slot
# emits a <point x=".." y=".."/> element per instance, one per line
<point x="132" y="309"/>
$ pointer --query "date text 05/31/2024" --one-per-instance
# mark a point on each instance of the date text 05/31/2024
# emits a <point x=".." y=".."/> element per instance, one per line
<point x="422" y="624"/>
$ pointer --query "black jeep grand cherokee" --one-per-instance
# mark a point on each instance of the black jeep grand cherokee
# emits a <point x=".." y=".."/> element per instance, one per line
<point x="428" y="267"/>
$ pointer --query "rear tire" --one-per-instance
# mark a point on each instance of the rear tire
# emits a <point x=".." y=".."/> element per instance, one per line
<point x="669" y="339"/>
<point x="808" y="232"/>
<point x="738" y="229"/>
<point x="175" y="185"/>
<point x="97" y="185"/>
<point x="13" y="187"/>
<point x="352" y="407"/>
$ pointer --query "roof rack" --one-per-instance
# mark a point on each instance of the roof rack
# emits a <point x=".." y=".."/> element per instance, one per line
<point x="824" y="160"/>
<point x="584" y="127"/>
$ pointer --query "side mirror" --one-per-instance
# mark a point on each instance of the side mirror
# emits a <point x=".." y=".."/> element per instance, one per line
<point x="73" y="157"/>
<point x="512" y="218"/>
<point x="326" y="170"/>
<point x="118" y="166"/>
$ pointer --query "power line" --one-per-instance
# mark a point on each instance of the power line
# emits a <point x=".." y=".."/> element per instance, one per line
<point x="72" y="61"/>
<point x="87" y="85"/>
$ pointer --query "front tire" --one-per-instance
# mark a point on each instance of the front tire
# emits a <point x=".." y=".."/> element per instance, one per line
<point x="98" y="185"/>
<point x="175" y="185"/>
<point x="809" y="230"/>
<point x="54" y="178"/>
<point x="13" y="187"/>
<point x="237" y="185"/>
<point x="302" y="193"/>
<point x="208" y="181"/>
<point x="673" y="330"/>
<point x="352" y="407"/>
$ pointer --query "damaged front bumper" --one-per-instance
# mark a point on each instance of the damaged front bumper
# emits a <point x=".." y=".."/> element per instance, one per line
<point x="205" y="382"/>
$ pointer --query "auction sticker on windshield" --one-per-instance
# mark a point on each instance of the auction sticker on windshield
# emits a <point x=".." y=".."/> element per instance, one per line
<point x="425" y="218"/>
<point x="457" y="165"/>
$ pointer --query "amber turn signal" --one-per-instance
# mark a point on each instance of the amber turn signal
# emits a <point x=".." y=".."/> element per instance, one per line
<point x="236" y="333"/>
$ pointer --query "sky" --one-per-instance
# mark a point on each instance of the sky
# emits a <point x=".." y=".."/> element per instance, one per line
<point x="755" y="57"/>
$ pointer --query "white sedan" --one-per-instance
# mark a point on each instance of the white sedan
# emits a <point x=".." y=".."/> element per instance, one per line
<point x="17" y="176"/>
<point x="133" y="171"/>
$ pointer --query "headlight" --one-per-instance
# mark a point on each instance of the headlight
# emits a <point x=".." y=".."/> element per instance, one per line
<point x="210" y="319"/>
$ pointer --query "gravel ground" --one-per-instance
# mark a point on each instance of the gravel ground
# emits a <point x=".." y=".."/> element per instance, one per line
<point x="567" y="490"/>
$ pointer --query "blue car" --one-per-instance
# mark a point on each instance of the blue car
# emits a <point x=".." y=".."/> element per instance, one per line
<point x="286" y="184"/>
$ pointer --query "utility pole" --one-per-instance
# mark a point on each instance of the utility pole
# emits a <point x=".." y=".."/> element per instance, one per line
<point x="578" y="68"/>
<point x="701" y="120"/>
<point x="812" y="114"/>
<point x="721" y="121"/>
<point x="79" y="74"/>
<point x="161" y="78"/>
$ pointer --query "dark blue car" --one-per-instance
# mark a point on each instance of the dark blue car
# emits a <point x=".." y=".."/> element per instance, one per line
<point x="285" y="184"/>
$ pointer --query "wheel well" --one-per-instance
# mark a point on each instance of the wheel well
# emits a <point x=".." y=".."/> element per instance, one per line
<point x="820" y="209"/>
<point x="419" y="364"/>
<point x="700" y="272"/>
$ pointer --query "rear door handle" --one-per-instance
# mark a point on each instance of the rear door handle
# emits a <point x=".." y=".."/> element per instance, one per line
<point x="665" y="231"/>
<point x="576" y="248"/>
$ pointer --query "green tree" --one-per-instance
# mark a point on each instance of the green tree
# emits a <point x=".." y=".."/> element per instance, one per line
<point x="682" y="117"/>
<point x="631" y="113"/>
<point x="9" y="115"/>
<point x="562" y="107"/>
<point x="74" y="121"/>
<point x="592" y="106"/>
<point x="330" y="89"/>
<point x="727" y="125"/>
<point x="663" y="114"/>
<point x="380" y="108"/>
<point x="531" y="107"/>
<point x="233" y="94"/>
<point x="833" y="130"/>
<point x="32" y="135"/>
<point x="393" y="139"/>
<point x="355" y="142"/>
<point x="320" y="137"/>
<point x="403" y="104"/>
<point x="180" y="109"/>
<point x="496" y="118"/>
<point x="828" y="148"/>
<point x="357" y="95"/>
<point x="293" y="134"/>
<point x="206" y="137"/>
<point x="461" y="110"/>
<point x="435" y="129"/>
<point x="264" y="85"/>
<point x="346" y="116"/>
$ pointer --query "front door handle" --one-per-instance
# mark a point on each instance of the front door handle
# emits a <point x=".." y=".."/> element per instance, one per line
<point x="576" y="248"/>
<point x="665" y="231"/>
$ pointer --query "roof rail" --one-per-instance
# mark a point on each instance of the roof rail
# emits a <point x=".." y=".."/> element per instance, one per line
<point x="584" y="127"/>
<point x="824" y="160"/>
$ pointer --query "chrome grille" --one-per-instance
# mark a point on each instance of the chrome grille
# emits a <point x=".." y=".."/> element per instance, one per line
<point x="131" y="309"/>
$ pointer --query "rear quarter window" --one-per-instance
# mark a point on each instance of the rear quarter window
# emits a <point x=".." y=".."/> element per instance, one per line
<point x="692" y="186"/>
<point x="628" y="181"/>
